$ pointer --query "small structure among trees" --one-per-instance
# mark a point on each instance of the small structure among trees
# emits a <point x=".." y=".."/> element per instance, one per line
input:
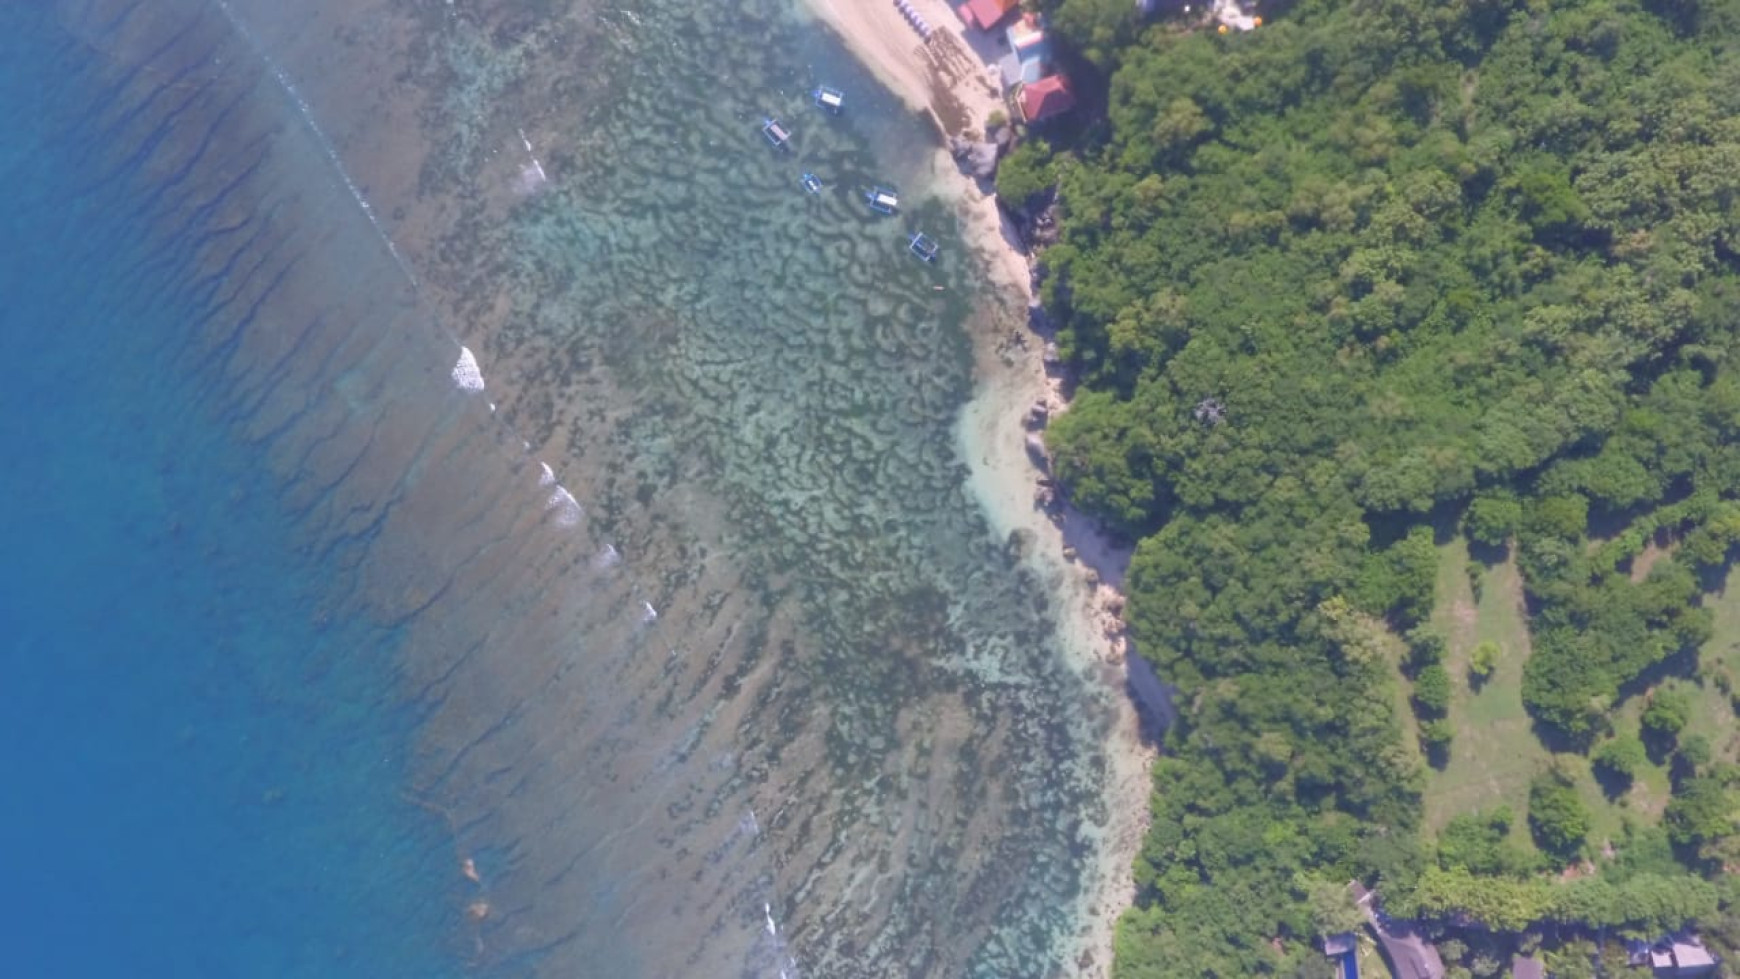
<point x="1681" y="956"/>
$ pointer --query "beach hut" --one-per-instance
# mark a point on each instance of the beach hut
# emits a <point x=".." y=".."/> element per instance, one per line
<point x="882" y="200"/>
<point x="986" y="14"/>
<point x="1029" y="57"/>
<point x="1046" y="98"/>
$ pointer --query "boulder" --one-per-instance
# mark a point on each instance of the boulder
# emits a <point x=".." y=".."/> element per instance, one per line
<point x="1036" y="451"/>
<point x="1038" y="415"/>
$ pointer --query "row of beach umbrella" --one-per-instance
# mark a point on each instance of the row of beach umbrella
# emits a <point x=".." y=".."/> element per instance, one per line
<point x="913" y="18"/>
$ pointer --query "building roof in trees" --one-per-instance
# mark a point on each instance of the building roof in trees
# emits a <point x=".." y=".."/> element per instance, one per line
<point x="1046" y="98"/>
<point x="1410" y="956"/>
<point x="1027" y="39"/>
<point x="1527" y="967"/>
<point x="1683" y="956"/>
<point x="985" y="14"/>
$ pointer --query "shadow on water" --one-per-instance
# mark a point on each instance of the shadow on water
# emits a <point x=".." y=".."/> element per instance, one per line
<point x="717" y="668"/>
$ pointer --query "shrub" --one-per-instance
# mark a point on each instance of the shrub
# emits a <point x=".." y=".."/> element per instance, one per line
<point x="1437" y="734"/>
<point x="1667" y="714"/>
<point x="1025" y="172"/>
<point x="1494" y="518"/>
<point x="1425" y="646"/>
<point x="1432" y="690"/>
<point x="1694" y="751"/>
<point x="1623" y="756"/>
<point x="1484" y="659"/>
<point x="1557" y="816"/>
<point x="1699" y="812"/>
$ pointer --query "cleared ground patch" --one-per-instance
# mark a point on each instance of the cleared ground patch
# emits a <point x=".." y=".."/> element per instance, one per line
<point x="1495" y="753"/>
<point x="1713" y="706"/>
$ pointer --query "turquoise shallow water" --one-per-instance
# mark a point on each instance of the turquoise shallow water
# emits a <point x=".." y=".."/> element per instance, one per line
<point x="684" y="633"/>
<point x="202" y="775"/>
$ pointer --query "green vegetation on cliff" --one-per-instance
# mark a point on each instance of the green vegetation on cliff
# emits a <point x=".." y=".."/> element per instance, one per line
<point x="1376" y="275"/>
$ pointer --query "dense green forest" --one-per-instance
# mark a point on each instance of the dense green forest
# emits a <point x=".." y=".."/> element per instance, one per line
<point x="1377" y="278"/>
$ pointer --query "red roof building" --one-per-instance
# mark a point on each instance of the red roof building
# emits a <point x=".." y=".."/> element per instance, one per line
<point x="985" y="14"/>
<point x="1045" y="98"/>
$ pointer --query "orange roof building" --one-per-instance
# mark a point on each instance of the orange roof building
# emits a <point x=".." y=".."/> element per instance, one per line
<point x="985" y="14"/>
<point x="1048" y="97"/>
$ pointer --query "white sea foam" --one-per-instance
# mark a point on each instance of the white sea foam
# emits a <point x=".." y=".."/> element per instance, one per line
<point x="767" y="912"/>
<point x="532" y="175"/>
<point x="567" y="509"/>
<point x="532" y="179"/>
<point x="466" y="374"/>
<point x="610" y="557"/>
<point x="651" y="614"/>
<point x="548" y="478"/>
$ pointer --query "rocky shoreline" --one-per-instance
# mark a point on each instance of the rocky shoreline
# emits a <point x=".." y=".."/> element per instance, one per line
<point x="1022" y="387"/>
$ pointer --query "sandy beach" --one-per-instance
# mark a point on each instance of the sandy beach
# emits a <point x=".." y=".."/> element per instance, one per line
<point x="947" y="77"/>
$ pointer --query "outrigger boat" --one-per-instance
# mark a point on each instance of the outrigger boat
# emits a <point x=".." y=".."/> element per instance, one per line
<point x="812" y="183"/>
<point x="923" y="246"/>
<point x="882" y="200"/>
<point x="775" y="133"/>
<point x="830" y="99"/>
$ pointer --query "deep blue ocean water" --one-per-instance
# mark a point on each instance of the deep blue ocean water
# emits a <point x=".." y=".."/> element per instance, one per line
<point x="701" y="646"/>
<point x="201" y="772"/>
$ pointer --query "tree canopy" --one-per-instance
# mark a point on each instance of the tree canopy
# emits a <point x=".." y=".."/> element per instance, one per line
<point x="1474" y="258"/>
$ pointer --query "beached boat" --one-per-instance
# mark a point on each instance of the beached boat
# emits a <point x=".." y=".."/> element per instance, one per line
<point x="923" y="246"/>
<point x="775" y="133"/>
<point x="812" y="183"/>
<point x="882" y="200"/>
<point x="830" y="99"/>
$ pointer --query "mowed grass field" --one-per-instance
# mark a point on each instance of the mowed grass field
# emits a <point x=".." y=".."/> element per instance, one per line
<point x="1714" y="714"/>
<point x="1496" y="751"/>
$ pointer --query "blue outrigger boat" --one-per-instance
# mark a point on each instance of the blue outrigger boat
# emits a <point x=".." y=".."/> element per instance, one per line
<point x="923" y="246"/>
<point x="775" y="133"/>
<point x="882" y="200"/>
<point x="812" y="183"/>
<point x="829" y="99"/>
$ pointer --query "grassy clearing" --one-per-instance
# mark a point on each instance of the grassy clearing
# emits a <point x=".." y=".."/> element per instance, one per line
<point x="1713" y="714"/>
<point x="1650" y="790"/>
<point x="1495" y="752"/>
